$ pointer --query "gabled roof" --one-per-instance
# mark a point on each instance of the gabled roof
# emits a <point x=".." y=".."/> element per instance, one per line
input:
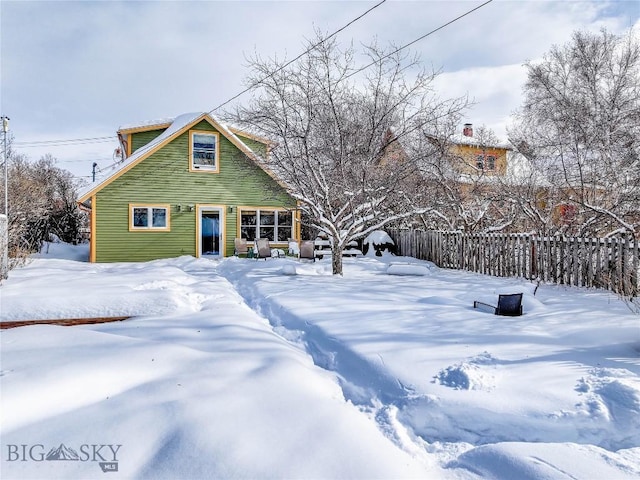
<point x="174" y="128"/>
<point x="459" y="139"/>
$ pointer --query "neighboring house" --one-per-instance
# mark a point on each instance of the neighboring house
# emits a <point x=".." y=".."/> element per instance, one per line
<point x="187" y="186"/>
<point x="476" y="163"/>
<point x="477" y="159"/>
<point x="478" y="156"/>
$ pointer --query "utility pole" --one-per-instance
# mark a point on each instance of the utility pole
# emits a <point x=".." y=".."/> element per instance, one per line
<point x="4" y="266"/>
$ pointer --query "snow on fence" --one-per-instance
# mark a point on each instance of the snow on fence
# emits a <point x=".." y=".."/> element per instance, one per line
<point x="611" y="263"/>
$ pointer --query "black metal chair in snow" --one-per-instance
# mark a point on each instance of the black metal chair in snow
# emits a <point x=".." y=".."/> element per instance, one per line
<point x="509" y="305"/>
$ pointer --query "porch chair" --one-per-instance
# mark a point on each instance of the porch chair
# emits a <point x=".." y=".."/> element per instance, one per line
<point x="307" y="250"/>
<point x="509" y="305"/>
<point x="241" y="247"/>
<point x="263" y="250"/>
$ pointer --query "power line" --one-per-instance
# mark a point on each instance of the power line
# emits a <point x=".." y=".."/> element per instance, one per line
<point x="298" y="57"/>
<point x="419" y="38"/>
<point x="63" y="142"/>
<point x="92" y="159"/>
<point x="142" y="149"/>
<point x="362" y="68"/>
<point x="90" y="140"/>
<point x="83" y="141"/>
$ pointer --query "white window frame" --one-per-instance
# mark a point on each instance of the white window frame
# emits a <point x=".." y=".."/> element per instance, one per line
<point x="194" y="167"/>
<point x="150" y="208"/>
<point x="275" y="226"/>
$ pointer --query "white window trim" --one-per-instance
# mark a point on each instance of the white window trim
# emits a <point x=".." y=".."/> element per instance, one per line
<point x="204" y="168"/>
<point x="149" y="227"/>
<point x="275" y="226"/>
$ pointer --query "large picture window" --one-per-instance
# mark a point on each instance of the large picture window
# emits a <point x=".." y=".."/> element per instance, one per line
<point x="203" y="151"/>
<point x="274" y="225"/>
<point x="149" y="217"/>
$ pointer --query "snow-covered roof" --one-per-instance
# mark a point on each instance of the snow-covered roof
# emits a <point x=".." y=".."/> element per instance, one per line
<point x="149" y="124"/>
<point x="177" y="126"/>
<point x="460" y="139"/>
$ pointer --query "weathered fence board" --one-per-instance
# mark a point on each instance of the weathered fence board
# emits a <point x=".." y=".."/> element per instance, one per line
<point x="611" y="263"/>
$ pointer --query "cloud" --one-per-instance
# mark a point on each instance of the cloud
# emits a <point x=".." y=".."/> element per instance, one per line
<point x="81" y="69"/>
<point x="495" y="92"/>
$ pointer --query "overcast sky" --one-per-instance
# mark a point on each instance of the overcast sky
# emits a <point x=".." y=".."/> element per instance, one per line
<point x="76" y="70"/>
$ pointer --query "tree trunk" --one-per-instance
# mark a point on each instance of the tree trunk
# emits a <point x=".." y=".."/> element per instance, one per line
<point x="336" y="258"/>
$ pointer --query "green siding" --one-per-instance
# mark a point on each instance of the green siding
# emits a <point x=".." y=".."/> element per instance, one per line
<point x="142" y="138"/>
<point x="257" y="147"/>
<point x="164" y="178"/>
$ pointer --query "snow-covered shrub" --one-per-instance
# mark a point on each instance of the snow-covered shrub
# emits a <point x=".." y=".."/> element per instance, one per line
<point x="378" y="242"/>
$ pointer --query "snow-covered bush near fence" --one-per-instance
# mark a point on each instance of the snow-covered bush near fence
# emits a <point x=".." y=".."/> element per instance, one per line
<point x="377" y="243"/>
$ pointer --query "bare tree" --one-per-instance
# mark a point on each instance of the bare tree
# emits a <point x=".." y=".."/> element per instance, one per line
<point x="580" y="128"/>
<point x="348" y="141"/>
<point x="41" y="204"/>
<point x="468" y="179"/>
<point x="541" y="200"/>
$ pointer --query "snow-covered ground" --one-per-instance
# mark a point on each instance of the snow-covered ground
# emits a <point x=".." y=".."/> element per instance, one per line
<point x="277" y="369"/>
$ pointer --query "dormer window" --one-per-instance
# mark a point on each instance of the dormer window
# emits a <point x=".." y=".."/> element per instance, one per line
<point x="203" y="151"/>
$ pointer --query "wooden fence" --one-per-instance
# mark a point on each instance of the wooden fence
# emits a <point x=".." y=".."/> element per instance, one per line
<point x="611" y="263"/>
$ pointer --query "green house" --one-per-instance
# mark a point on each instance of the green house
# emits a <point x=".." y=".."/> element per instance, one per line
<point x="187" y="186"/>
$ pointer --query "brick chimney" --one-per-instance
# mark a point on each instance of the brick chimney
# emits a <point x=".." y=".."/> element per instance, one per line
<point x="467" y="131"/>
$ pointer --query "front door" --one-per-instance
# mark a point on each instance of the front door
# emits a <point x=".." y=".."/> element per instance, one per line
<point x="210" y="243"/>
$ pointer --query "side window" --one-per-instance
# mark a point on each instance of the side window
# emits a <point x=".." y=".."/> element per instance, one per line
<point x="148" y="217"/>
<point x="140" y="217"/>
<point x="158" y="217"/>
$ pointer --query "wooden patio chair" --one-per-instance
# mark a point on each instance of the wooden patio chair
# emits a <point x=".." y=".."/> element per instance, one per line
<point x="263" y="249"/>
<point x="509" y="305"/>
<point x="241" y="247"/>
<point x="308" y="250"/>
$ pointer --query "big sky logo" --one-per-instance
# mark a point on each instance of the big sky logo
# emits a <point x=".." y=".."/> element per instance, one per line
<point x="106" y="455"/>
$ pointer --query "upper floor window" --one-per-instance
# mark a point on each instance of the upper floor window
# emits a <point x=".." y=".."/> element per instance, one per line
<point x="486" y="162"/>
<point x="149" y="217"/>
<point x="203" y="151"/>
